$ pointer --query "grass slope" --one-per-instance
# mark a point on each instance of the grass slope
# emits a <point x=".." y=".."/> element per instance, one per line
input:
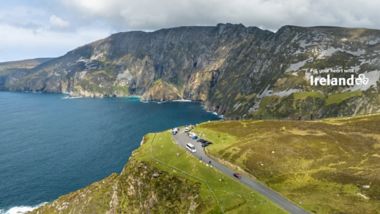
<point x="340" y="97"/>
<point x="161" y="177"/>
<point x="220" y="192"/>
<point x="326" y="166"/>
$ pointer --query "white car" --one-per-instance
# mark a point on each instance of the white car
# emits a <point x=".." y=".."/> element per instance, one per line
<point x="175" y="131"/>
<point x="192" y="135"/>
<point x="191" y="147"/>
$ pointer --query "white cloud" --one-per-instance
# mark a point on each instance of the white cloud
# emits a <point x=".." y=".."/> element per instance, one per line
<point x="51" y="28"/>
<point x="270" y="14"/>
<point x="22" y="43"/>
<point x="29" y="31"/>
<point x="58" y="22"/>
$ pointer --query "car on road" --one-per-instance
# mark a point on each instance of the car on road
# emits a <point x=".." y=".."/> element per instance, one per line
<point x="237" y="175"/>
<point x="188" y="128"/>
<point x="200" y="140"/>
<point x="193" y="136"/>
<point x="203" y="142"/>
<point x="175" y="131"/>
<point x="191" y="147"/>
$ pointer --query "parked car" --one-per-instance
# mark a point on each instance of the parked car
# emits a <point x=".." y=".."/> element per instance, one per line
<point x="237" y="175"/>
<point x="191" y="147"/>
<point x="203" y="142"/>
<point x="189" y="128"/>
<point x="175" y="131"/>
<point x="193" y="136"/>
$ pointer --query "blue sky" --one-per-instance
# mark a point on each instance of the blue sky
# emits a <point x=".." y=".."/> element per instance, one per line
<point x="30" y="28"/>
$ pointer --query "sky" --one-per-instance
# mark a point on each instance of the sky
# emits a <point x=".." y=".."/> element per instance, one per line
<point x="50" y="28"/>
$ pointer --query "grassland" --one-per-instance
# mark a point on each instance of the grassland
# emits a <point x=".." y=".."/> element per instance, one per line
<point x="303" y="104"/>
<point x="340" y="97"/>
<point x="219" y="192"/>
<point x="326" y="166"/>
<point x="306" y="94"/>
<point x="161" y="177"/>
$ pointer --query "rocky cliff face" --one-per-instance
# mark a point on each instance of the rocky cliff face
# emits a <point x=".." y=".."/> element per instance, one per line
<point x="17" y="69"/>
<point x="234" y="70"/>
<point x="140" y="188"/>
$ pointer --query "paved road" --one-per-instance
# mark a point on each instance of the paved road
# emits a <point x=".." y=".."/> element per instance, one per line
<point x="182" y="139"/>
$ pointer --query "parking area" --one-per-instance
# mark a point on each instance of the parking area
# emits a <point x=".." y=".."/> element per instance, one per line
<point x="183" y="138"/>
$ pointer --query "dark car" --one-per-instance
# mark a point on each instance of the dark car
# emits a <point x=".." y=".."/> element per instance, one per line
<point x="237" y="175"/>
<point x="200" y="140"/>
<point x="204" y="142"/>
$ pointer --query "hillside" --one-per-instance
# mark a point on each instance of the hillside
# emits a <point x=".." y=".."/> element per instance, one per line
<point x="238" y="71"/>
<point x="160" y="177"/>
<point x="21" y="67"/>
<point x="326" y="166"/>
<point x="22" y="64"/>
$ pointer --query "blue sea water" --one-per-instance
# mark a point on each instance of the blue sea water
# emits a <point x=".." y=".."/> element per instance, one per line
<point x="50" y="146"/>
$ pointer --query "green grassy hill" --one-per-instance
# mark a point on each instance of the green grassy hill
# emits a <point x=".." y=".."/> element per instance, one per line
<point x="161" y="177"/>
<point x="326" y="166"/>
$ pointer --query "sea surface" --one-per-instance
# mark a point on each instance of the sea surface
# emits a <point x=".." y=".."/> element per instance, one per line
<point x="51" y="145"/>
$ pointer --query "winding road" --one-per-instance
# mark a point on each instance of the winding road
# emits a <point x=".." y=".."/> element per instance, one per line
<point x="182" y="139"/>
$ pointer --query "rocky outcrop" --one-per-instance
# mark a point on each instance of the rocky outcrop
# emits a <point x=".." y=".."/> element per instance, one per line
<point x="234" y="70"/>
<point x="161" y="91"/>
<point x="140" y="188"/>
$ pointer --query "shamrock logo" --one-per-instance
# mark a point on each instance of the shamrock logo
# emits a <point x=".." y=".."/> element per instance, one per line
<point x="364" y="79"/>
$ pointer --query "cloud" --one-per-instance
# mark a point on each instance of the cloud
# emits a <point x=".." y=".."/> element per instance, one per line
<point x="51" y="28"/>
<point x="269" y="14"/>
<point x="30" y="31"/>
<point x="23" y="43"/>
<point x="22" y="16"/>
<point x="58" y="22"/>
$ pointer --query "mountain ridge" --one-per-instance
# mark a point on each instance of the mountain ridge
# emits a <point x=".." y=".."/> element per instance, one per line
<point x="231" y="68"/>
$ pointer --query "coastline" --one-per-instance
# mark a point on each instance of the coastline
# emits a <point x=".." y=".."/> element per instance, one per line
<point x="220" y="116"/>
<point x="21" y="209"/>
<point x="25" y="206"/>
<point x="69" y="96"/>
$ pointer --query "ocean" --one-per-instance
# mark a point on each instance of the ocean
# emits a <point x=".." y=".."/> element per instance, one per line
<point x="51" y="145"/>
